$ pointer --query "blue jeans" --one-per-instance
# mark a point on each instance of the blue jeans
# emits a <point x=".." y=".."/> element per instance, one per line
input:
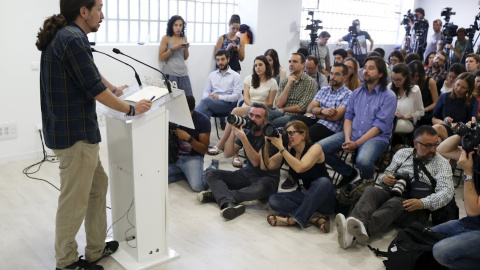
<point x="301" y="206"/>
<point x="461" y="250"/>
<point x="367" y="153"/>
<point x="211" y="106"/>
<point x="191" y="169"/>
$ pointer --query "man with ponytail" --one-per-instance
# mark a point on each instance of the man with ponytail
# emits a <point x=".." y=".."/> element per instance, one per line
<point x="70" y="84"/>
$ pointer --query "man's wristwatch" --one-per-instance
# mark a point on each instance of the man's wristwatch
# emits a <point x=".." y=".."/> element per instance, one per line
<point x="190" y="139"/>
<point x="467" y="177"/>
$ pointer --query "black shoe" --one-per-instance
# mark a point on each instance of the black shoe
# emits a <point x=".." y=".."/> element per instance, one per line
<point x="81" y="264"/>
<point x="206" y="197"/>
<point x="110" y="248"/>
<point x="222" y="125"/>
<point x="232" y="210"/>
<point x="288" y="183"/>
<point x="348" y="179"/>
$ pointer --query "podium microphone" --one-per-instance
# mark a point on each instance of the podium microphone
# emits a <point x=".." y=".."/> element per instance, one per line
<point x="167" y="83"/>
<point x="136" y="74"/>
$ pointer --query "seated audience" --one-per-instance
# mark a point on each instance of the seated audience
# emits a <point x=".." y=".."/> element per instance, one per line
<point x="449" y="82"/>
<point x="278" y="73"/>
<point x="223" y="88"/>
<point x="385" y="203"/>
<point x="192" y="146"/>
<point x="436" y="70"/>
<point x="367" y="127"/>
<point x="294" y="93"/>
<point x="395" y="57"/>
<point x="339" y="55"/>
<point x="428" y="61"/>
<point x="325" y="113"/>
<point x="311" y="68"/>
<point x="350" y="53"/>
<point x="428" y="88"/>
<point x="412" y="57"/>
<point x="472" y="63"/>
<point x="351" y="80"/>
<point x="409" y="99"/>
<point x="259" y="87"/>
<point x="457" y="106"/>
<point x="460" y="250"/>
<point x="230" y="188"/>
<point x="314" y="199"/>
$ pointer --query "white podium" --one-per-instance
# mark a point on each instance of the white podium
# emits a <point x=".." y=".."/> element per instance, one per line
<point x="138" y="167"/>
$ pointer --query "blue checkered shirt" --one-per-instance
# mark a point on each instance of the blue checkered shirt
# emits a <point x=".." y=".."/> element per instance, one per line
<point x="333" y="99"/>
<point x="69" y="81"/>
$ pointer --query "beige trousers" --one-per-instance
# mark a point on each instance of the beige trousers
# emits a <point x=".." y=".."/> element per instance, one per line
<point x="83" y="190"/>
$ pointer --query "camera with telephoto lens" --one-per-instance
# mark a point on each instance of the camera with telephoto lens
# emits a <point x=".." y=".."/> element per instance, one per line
<point x="238" y="121"/>
<point x="403" y="181"/>
<point x="470" y="136"/>
<point x="270" y="131"/>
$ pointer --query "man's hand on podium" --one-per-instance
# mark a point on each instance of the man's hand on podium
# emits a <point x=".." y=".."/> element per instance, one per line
<point x="142" y="106"/>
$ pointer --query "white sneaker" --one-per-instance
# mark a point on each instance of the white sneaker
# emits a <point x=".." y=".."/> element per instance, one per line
<point x="356" y="228"/>
<point x="344" y="238"/>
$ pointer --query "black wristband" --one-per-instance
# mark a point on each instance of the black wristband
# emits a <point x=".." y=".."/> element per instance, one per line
<point x="131" y="112"/>
<point x="190" y="139"/>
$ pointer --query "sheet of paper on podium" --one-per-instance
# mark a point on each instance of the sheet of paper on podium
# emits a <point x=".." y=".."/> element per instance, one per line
<point x="147" y="93"/>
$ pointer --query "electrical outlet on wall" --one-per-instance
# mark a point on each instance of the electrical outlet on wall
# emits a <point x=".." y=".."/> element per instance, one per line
<point x="8" y="130"/>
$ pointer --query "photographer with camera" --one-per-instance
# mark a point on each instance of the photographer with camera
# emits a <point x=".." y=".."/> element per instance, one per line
<point x="460" y="248"/>
<point x="314" y="199"/>
<point x="192" y="146"/>
<point x="417" y="182"/>
<point x="230" y="188"/>
<point x="461" y="46"/>
<point x="357" y="40"/>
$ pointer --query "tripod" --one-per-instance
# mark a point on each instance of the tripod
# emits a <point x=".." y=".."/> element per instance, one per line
<point x="312" y="46"/>
<point x="406" y="40"/>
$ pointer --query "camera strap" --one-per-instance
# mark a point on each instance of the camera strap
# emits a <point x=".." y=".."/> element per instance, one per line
<point x="417" y="163"/>
<point x="419" y="189"/>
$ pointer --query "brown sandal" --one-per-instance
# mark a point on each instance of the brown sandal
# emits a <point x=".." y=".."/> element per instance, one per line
<point x="322" y="222"/>
<point x="272" y="220"/>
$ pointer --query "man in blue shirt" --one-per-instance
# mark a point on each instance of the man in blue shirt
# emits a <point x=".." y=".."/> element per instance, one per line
<point x="70" y="84"/>
<point x="368" y="124"/>
<point x="192" y="146"/>
<point x="223" y="88"/>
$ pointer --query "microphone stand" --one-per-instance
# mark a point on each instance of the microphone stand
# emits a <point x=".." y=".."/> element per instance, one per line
<point x="136" y="74"/>
<point x="167" y="82"/>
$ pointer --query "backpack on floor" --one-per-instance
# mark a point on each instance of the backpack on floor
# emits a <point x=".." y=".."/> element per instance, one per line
<point x="412" y="249"/>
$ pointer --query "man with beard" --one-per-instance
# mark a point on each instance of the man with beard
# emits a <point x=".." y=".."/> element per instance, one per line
<point x="325" y="113"/>
<point x="294" y="93"/>
<point x="368" y="124"/>
<point x="380" y="206"/>
<point x="70" y="85"/>
<point x="436" y="71"/>
<point x="229" y="188"/>
<point x="223" y="88"/>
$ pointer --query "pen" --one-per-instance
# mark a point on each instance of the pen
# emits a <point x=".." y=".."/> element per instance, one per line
<point x="152" y="98"/>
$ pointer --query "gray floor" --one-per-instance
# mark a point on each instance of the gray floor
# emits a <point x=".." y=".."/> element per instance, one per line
<point x="203" y="239"/>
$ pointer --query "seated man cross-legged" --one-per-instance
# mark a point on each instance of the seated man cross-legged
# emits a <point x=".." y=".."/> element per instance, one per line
<point x="389" y="201"/>
<point x="193" y="144"/>
<point x="367" y="127"/>
<point x="229" y="188"/>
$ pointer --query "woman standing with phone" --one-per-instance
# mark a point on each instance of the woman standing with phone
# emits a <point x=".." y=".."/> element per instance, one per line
<point x="233" y="44"/>
<point x="174" y="51"/>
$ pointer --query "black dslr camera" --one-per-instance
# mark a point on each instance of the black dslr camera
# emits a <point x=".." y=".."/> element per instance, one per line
<point x="238" y="121"/>
<point x="403" y="181"/>
<point x="470" y="136"/>
<point x="270" y="131"/>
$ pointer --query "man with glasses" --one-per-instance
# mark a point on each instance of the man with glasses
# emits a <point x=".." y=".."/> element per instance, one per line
<point x="311" y="68"/>
<point x="436" y="71"/>
<point x="389" y="201"/>
<point x="230" y="188"/>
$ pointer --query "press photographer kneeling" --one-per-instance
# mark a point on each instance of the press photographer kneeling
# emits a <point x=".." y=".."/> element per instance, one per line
<point x="403" y="201"/>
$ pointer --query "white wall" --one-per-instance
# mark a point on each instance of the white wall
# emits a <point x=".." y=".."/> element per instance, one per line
<point x="276" y="28"/>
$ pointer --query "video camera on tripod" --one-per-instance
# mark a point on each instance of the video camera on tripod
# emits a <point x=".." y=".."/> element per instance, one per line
<point x="449" y="29"/>
<point x="313" y="28"/>
<point x="354" y="29"/>
<point x="407" y="20"/>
